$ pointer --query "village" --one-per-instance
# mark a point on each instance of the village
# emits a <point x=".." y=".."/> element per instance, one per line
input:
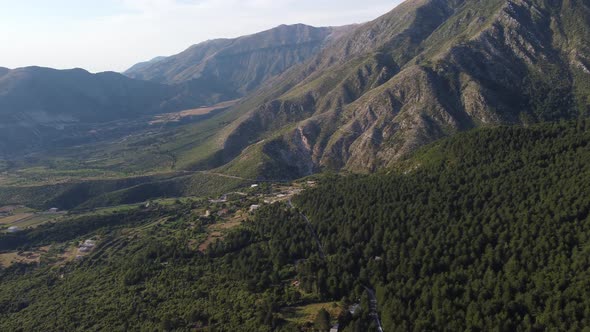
<point x="221" y="214"/>
<point x="231" y="209"/>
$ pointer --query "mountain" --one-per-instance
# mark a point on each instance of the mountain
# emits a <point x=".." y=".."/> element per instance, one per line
<point x="76" y="95"/>
<point x="243" y="63"/>
<point x="427" y="69"/>
<point x="35" y="100"/>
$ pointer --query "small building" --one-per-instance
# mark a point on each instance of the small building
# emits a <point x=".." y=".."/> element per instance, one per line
<point x="90" y="243"/>
<point x="254" y="186"/>
<point x="84" y="249"/>
<point x="87" y="246"/>
<point x="53" y="210"/>
<point x="13" y="229"/>
<point x="254" y="207"/>
<point x="335" y="328"/>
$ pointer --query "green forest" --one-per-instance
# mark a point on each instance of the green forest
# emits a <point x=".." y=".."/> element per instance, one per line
<point x="485" y="231"/>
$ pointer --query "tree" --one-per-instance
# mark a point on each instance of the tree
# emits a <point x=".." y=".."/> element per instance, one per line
<point x="322" y="321"/>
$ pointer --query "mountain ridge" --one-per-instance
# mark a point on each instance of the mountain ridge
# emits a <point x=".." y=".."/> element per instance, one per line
<point x="245" y="63"/>
<point x="477" y="63"/>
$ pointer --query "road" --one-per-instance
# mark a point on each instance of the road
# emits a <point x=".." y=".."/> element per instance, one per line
<point x="310" y="226"/>
<point x="239" y="177"/>
<point x="374" y="313"/>
<point x="225" y="175"/>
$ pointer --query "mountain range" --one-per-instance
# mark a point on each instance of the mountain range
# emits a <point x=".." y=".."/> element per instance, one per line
<point x="182" y="195"/>
<point x="44" y="101"/>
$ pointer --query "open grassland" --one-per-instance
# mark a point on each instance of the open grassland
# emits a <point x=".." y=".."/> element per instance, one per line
<point x="302" y="315"/>
<point x="178" y="116"/>
<point x="15" y="218"/>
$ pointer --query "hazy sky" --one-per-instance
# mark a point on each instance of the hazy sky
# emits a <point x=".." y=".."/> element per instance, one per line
<point x="101" y="35"/>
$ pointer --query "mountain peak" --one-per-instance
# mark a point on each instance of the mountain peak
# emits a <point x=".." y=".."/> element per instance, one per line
<point x="243" y="63"/>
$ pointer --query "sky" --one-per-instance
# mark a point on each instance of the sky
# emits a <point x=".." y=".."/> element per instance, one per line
<point x="112" y="35"/>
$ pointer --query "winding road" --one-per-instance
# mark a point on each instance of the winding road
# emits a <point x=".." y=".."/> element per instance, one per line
<point x="373" y="303"/>
<point x="372" y="297"/>
<point x="310" y="226"/>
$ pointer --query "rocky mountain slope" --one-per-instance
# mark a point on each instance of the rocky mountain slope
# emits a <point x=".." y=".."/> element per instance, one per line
<point x="427" y="69"/>
<point x="243" y="64"/>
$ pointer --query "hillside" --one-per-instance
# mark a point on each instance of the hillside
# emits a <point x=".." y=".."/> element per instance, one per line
<point x="426" y="70"/>
<point x="41" y="104"/>
<point x="486" y="230"/>
<point x="38" y="94"/>
<point x="244" y="63"/>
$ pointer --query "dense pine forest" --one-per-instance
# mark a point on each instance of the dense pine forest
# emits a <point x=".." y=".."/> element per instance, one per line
<point x="487" y="230"/>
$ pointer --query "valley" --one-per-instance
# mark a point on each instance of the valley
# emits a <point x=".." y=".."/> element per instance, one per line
<point x="427" y="170"/>
<point x="249" y="253"/>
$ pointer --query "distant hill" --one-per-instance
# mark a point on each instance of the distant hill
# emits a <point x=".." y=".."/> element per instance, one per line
<point x="243" y="64"/>
<point x="43" y="94"/>
<point x="35" y="101"/>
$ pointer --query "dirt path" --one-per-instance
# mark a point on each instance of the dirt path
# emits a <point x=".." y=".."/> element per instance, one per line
<point x="310" y="226"/>
<point x="374" y="313"/>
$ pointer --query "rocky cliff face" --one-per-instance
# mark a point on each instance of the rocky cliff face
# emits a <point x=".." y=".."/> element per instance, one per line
<point x="423" y="71"/>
